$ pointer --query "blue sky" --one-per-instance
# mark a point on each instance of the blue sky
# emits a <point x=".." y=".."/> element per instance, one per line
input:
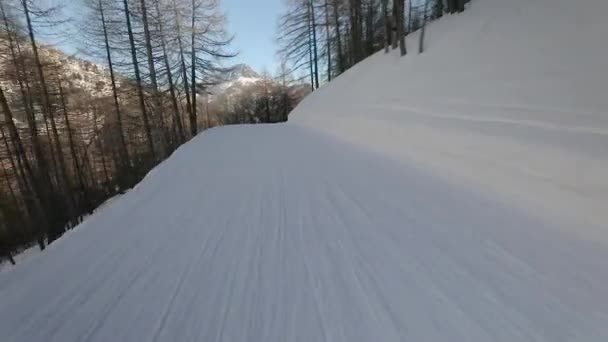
<point x="254" y="24"/>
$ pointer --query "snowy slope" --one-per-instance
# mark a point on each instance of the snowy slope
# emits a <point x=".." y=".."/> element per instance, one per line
<point x="91" y="78"/>
<point x="399" y="205"/>
<point x="524" y="114"/>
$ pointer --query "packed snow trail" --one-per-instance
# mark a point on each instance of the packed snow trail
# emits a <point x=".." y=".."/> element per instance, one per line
<point x="279" y="233"/>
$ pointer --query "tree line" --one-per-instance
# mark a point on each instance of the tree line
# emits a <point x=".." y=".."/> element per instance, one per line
<point x="320" y="39"/>
<point x="65" y="149"/>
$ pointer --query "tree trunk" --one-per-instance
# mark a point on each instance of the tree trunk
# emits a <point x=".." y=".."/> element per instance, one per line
<point x="104" y="166"/>
<point x="6" y="176"/>
<point x="207" y="111"/>
<point x="176" y="114"/>
<point x="88" y="206"/>
<point x="401" y="26"/>
<point x="439" y="9"/>
<point x="395" y="24"/>
<point x="183" y="65"/>
<point x="369" y="28"/>
<point x="387" y="26"/>
<point x="10" y="258"/>
<point x="11" y="157"/>
<point x="355" y="31"/>
<point x="59" y="229"/>
<point x="157" y="100"/>
<point x="328" y="43"/>
<point x="52" y="153"/>
<point x="409" y="18"/>
<point x="15" y="201"/>
<point x="314" y="43"/>
<point x="140" y="91"/>
<point x="341" y="64"/>
<point x="94" y="181"/>
<point x="193" y="121"/>
<point x="310" y="55"/>
<point x="423" y="29"/>
<point x="124" y="152"/>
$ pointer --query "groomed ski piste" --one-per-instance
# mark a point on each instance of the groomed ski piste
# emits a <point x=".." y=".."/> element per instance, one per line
<point x="456" y="195"/>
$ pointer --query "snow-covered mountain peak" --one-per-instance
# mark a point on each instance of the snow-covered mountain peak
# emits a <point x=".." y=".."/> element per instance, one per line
<point x="242" y="71"/>
<point x="241" y="76"/>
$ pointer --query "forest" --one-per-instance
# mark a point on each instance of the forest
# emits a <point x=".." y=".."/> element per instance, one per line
<point x="320" y="39"/>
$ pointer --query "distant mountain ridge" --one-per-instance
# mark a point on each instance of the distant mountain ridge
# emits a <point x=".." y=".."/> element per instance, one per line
<point x="243" y="80"/>
<point x="242" y="70"/>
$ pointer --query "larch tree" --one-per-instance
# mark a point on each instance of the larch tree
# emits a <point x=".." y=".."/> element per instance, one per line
<point x="209" y="46"/>
<point x="124" y="151"/>
<point x="138" y="80"/>
<point x="297" y="39"/>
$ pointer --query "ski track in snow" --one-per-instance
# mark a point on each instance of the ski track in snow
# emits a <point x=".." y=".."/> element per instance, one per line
<point x="281" y="233"/>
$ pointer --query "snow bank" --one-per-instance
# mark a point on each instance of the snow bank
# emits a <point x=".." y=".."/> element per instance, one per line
<point x="510" y="96"/>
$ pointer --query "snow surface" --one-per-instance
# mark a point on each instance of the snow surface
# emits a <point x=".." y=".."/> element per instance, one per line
<point x="406" y="201"/>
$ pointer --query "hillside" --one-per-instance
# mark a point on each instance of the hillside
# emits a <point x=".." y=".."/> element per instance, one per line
<point x="82" y="77"/>
<point x="407" y="200"/>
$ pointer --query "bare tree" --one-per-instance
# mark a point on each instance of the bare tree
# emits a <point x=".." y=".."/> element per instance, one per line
<point x="399" y="9"/>
<point x="296" y="39"/>
<point x="327" y="39"/>
<point x="423" y="29"/>
<point x="169" y="74"/>
<point x="356" y="30"/>
<point x="156" y="96"/>
<point x="139" y="84"/>
<point x="209" y="42"/>
<point x="313" y="40"/>
<point x="100" y="11"/>
<point x="338" y="30"/>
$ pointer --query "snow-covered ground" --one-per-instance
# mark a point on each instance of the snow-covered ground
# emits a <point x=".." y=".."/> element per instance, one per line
<point x="19" y="257"/>
<point x="34" y="250"/>
<point x="406" y="201"/>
